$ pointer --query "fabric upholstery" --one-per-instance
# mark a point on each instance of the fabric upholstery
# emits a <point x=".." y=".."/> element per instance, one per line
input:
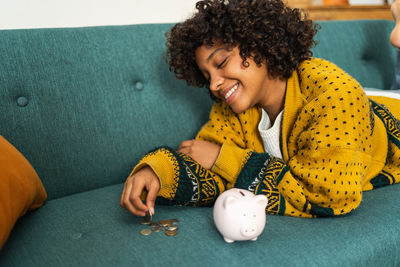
<point x="20" y="188"/>
<point x="83" y="105"/>
<point x="89" y="96"/>
<point x="360" y="47"/>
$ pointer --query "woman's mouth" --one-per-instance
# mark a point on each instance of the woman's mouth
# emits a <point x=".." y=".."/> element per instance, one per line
<point x="230" y="92"/>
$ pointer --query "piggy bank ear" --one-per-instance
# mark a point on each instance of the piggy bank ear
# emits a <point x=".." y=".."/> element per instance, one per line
<point x="228" y="201"/>
<point x="261" y="200"/>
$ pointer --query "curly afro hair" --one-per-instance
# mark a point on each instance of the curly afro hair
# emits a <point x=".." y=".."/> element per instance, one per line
<point x="266" y="30"/>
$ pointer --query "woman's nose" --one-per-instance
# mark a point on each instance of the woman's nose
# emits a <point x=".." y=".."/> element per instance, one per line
<point x="215" y="83"/>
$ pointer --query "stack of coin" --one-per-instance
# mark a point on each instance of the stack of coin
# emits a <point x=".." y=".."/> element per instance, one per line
<point x="170" y="226"/>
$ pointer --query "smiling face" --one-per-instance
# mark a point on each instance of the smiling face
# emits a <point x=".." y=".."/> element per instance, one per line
<point x="242" y="87"/>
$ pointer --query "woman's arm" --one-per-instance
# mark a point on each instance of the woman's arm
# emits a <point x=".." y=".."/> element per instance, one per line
<point x="180" y="176"/>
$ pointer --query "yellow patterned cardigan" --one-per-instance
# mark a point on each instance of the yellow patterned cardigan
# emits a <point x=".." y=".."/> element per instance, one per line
<point x="336" y="143"/>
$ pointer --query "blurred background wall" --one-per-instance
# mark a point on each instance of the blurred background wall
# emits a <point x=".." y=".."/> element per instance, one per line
<point x="19" y="14"/>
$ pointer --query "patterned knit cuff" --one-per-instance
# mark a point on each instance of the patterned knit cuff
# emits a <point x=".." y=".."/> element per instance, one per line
<point x="161" y="161"/>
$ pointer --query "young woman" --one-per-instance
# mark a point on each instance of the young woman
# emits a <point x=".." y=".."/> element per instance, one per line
<point x="295" y="128"/>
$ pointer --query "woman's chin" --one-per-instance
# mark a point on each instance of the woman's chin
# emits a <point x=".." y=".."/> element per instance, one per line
<point x="237" y="108"/>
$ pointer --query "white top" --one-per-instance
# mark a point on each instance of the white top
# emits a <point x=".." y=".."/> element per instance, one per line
<point x="271" y="134"/>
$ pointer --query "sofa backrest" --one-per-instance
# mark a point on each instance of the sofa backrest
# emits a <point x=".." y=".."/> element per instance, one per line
<point x="84" y="104"/>
<point x="361" y="47"/>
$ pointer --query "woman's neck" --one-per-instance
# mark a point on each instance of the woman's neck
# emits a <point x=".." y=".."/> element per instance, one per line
<point x="275" y="99"/>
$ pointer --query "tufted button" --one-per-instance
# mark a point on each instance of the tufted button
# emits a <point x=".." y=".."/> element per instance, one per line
<point x="365" y="58"/>
<point x="139" y="86"/>
<point x="22" y="101"/>
<point x="76" y="236"/>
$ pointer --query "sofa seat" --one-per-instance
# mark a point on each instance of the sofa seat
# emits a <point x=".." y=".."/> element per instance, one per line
<point x="91" y="229"/>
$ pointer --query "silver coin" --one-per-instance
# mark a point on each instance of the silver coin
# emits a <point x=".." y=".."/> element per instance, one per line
<point x="145" y="231"/>
<point x="172" y="227"/>
<point x="157" y="228"/>
<point x="149" y="216"/>
<point x="171" y="233"/>
<point x="164" y="222"/>
<point x="145" y="222"/>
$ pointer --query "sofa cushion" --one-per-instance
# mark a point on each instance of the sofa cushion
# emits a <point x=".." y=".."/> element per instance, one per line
<point x="20" y="188"/>
<point x="91" y="229"/>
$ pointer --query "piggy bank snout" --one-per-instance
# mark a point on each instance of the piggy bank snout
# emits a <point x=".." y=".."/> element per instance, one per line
<point x="249" y="230"/>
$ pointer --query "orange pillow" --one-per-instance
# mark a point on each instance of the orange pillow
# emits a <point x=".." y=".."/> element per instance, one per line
<point x="20" y="188"/>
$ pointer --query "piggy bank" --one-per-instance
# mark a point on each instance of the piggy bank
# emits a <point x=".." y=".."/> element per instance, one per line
<point x="240" y="215"/>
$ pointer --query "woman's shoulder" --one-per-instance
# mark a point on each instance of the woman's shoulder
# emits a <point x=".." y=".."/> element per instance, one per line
<point x="317" y="76"/>
<point x="317" y="63"/>
<point x="315" y="69"/>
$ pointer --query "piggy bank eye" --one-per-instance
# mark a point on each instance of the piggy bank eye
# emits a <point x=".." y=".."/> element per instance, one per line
<point x="254" y="215"/>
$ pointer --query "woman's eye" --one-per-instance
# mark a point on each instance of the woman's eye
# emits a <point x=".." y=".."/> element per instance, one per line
<point x="220" y="65"/>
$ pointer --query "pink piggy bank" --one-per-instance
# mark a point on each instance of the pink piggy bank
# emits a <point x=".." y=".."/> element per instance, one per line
<point x="240" y="215"/>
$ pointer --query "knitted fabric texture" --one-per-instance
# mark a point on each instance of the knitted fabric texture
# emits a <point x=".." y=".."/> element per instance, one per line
<point x="270" y="134"/>
<point x="336" y="143"/>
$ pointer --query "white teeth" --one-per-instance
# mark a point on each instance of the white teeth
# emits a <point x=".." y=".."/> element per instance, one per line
<point x="231" y="91"/>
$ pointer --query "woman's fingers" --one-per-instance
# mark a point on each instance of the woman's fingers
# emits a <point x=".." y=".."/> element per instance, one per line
<point x="122" y="200"/>
<point x="185" y="144"/>
<point x="184" y="150"/>
<point x="126" y="201"/>
<point x="135" y="200"/>
<point x="151" y="196"/>
<point x="130" y="198"/>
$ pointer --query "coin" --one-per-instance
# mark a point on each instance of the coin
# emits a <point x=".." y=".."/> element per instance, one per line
<point x="171" y="232"/>
<point x="172" y="227"/>
<point x="149" y="216"/>
<point x="145" y="231"/>
<point x="164" y="222"/>
<point x="157" y="228"/>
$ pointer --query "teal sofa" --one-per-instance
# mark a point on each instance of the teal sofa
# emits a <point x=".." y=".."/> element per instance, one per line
<point x="83" y="105"/>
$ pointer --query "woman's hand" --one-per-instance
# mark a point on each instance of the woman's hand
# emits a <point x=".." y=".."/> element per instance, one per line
<point x="145" y="179"/>
<point x="203" y="152"/>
